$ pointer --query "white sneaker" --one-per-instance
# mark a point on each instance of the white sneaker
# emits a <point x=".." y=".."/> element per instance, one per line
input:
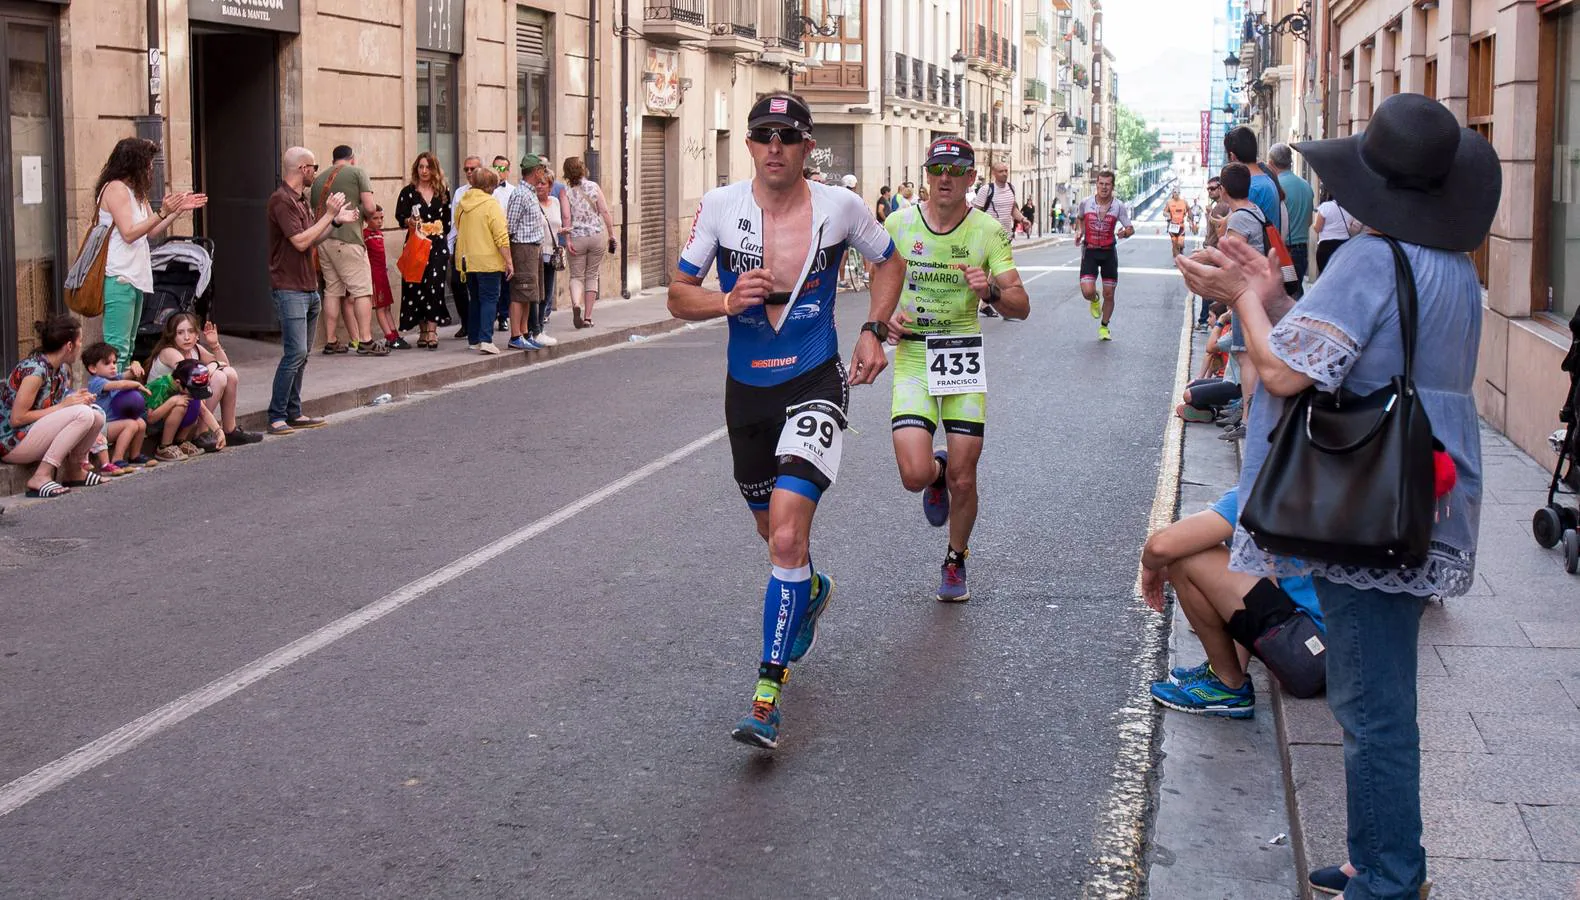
<point x="488" y="349"/>
<point x="546" y="341"/>
<point x="473" y="346"/>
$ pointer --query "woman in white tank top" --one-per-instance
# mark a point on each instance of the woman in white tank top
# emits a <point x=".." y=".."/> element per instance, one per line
<point x="122" y="194"/>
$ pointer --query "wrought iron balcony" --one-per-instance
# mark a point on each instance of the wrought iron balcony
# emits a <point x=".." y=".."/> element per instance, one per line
<point x="1036" y="91"/>
<point x="675" y="21"/>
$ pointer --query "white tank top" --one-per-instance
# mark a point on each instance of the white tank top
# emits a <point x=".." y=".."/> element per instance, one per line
<point x="128" y="261"/>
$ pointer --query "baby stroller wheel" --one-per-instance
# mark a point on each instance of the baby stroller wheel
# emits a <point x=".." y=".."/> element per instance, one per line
<point x="1548" y="526"/>
<point x="1572" y="551"/>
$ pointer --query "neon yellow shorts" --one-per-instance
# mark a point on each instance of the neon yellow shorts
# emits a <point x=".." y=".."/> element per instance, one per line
<point x="914" y="407"/>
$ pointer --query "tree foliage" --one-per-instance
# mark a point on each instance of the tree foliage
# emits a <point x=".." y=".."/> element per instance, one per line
<point x="1138" y="145"/>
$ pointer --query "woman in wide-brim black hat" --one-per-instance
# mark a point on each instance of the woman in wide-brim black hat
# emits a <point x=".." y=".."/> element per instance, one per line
<point x="1416" y="177"/>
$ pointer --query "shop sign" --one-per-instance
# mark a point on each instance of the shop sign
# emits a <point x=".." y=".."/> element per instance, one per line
<point x="439" y="25"/>
<point x="661" y="80"/>
<point x="270" y="15"/>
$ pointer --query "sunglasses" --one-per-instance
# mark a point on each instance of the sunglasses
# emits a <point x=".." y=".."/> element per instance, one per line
<point x="501" y="168"/>
<point x="470" y="168"/>
<point x="939" y="170"/>
<point x="313" y="166"/>
<point x="765" y="135"/>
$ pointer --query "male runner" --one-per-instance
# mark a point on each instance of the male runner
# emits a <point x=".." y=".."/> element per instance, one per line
<point x="1177" y="212"/>
<point x="955" y="257"/>
<point x="779" y="242"/>
<point x="1100" y="221"/>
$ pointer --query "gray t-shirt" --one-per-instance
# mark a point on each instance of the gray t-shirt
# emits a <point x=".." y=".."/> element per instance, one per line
<point x="1247" y="224"/>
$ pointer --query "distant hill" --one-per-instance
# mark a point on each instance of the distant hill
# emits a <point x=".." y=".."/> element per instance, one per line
<point x="1161" y="89"/>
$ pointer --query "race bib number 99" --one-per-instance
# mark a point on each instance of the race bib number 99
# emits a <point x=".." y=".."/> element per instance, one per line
<point x="814" y="431"/>
<point x="955" y="365"/>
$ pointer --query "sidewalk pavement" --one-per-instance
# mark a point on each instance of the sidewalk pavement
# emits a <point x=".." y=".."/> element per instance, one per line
<point x="1500" y="728"/>
<point x="341" y="382"/>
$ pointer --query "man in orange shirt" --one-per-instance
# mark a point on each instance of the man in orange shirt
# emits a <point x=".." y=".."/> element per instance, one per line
<point x="1177" y="211"/>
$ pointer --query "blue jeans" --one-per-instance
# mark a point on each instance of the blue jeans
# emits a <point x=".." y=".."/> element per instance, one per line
<point x="298" y="314"/>
<point x="1372" y="692"/>
<point x="1299" y="254"/>
<point x="482" y="299"/>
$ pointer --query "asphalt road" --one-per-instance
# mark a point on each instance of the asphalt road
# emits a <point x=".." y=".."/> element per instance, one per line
<point x="551" y="718"/>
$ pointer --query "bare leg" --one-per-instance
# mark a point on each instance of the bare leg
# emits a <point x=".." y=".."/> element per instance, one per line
<point x="332" y="320"/>
<point x="518" y="319"/>
<point x="121" y="433"/>
<point x="590" y="297"/>
<point x="386" y="321"/>
<point x="1248" y="381"/>
<point x="964" y="451"/>
<point x="1210" y="594"/>
<point x="913" y="452"/>
<point x="364" y="320"/>
<point x="1108" y="302"/>
<point x="225" y="396"/>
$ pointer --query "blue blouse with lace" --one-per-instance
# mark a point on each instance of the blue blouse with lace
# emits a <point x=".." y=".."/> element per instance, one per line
<point x="1345" y="332"/>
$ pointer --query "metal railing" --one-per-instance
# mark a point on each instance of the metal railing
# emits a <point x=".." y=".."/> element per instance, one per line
<point x="1039" y="25"/>
<point x="739" y="15"/>
<point x="692" y="12"/>
<point x="780" y="24"/>
<point x="1037" y="91"/>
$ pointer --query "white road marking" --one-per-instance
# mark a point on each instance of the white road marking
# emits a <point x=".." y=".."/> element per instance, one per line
<point x="1123" y="270"/>
<point x="89" y="756"/>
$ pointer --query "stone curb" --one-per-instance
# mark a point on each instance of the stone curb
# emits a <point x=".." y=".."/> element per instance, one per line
<point x="13" y="479"/>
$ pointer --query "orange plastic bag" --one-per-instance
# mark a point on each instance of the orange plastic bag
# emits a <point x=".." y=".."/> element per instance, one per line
<point x="413" y="260"/>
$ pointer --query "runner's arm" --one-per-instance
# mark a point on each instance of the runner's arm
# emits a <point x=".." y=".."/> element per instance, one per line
<point x="1013" y="301"/>
<point x="873" y="241"/>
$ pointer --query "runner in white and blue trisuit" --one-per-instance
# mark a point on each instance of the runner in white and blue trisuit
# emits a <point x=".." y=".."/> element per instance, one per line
<point x="778" y="243"/>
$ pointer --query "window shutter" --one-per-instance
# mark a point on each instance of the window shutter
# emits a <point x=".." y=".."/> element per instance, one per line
<point x="531" y="40"/>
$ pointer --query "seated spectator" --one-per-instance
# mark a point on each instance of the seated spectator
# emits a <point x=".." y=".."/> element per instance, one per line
<point x="121" y="398"/>
<point x="177" y="405"/>
<point x="1278" y="622"/>
<point x="43" y="421"/>
<point x="180" y="341"/>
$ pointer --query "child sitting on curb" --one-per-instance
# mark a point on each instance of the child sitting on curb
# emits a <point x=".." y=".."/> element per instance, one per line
<point x="177" y="401"/>
<point x="122" y="399"/>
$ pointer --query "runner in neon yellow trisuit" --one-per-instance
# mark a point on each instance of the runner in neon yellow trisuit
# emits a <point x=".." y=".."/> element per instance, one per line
<point x="956" y="258"/>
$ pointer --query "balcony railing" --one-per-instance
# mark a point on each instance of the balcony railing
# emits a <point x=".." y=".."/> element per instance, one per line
<point x="739" y="16"/>
<point x="1037" y="91"/>
<point x="1080" y="125"/>
<point x="932" y="83"/>
<point x="780" y="24"/>
<point x="1060" y="99"/>
<point x="918" y="80"/>
<point x="691" y="12"/>
<point x="1040" y="27"/>
<point x="900" y="79"/>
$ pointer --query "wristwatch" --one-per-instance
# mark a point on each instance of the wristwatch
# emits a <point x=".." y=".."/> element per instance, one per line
<point x="994" y="295"/>
<point x="880" y="330"/>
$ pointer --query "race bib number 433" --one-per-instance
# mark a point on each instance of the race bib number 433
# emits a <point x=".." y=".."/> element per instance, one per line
<point x="955" y="365"/>
<point x="815" y="432"/>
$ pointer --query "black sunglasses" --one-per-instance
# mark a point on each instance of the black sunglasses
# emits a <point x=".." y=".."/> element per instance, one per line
<point x="765" y="135"/>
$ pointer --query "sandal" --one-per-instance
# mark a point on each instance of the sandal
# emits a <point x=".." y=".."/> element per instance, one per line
<point x="48" y="490"/>
<point x="89" y="479"/>
<point x="333" y="347"/>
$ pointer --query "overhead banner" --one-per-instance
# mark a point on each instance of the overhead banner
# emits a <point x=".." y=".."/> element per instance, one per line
<point x="1206" y="133"/>
<point x="270" y="15"/>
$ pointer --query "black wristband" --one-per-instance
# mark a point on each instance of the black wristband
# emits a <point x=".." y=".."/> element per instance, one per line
<point x="994" y="295"/>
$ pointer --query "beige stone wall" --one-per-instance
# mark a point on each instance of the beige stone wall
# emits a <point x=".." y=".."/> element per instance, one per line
<point x="1519" y="387"/>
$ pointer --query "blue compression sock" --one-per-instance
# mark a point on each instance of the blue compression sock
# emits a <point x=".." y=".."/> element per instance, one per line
<point x="788" y="595"/>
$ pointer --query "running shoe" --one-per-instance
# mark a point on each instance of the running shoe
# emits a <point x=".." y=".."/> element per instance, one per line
<point x="935" y="497"/>
<point x="1097" y="309"/>
<point x="760" y="728"/>
<point x="1207" y="697"/>
<point x="1102" y="333"/>
<point x="989" y="312"/>
<point x="952" y="585"/>
<point x="519" y="343"/>
<point x="807" y="636"/>
<point x="1183" y="675"/>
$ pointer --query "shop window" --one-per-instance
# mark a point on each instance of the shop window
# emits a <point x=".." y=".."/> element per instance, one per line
<point x="1479" y="116"/>
<point x="436" y="112"/>
<point x="1563" y="217"/>
<point x="532" y="82"/>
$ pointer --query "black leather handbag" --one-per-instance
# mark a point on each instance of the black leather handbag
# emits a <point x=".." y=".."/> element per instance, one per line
<point x="1348" y="479"/>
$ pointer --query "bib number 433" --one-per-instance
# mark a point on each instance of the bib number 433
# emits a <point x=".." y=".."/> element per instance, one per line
<point x="955" y="365"/>
<point x="815" y="432"/>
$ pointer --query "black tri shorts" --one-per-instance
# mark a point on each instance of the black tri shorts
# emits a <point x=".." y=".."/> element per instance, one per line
<point x="1100" y="262"/>
<point x="755" y="417"/>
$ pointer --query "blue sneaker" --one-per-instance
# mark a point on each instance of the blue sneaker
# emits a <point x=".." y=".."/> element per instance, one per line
<point x="1207" y="697"/>
<point x="760" y="728"/>
<point x="935" y="500"/>
<point x="519" y="343"/>
<point x="1183" y="675"/>
<point x="823" y="586"/>
<point x="952" y="585"/>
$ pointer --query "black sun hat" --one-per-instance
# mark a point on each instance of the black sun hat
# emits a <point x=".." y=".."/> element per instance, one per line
<point x="1413" y="174"/>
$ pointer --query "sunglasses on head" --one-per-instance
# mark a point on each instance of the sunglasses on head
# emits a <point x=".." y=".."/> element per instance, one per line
<point x="765" y="134"/>
<point x="953" y="171"/>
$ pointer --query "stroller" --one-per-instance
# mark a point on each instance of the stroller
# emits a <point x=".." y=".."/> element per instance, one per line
<point x="182" y="266"/>
<point x="1556" y="523"/>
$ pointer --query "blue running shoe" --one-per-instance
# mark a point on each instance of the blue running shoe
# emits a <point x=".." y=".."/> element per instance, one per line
<point x="824" y="588"/>
<point x="1183" y="675"/>
<point x="518" y="343"/>
<point x="760" y="728"/>
<point x="935" y="498"/>
<point x="1207" y="697"/>
<point x="952" y="585"/>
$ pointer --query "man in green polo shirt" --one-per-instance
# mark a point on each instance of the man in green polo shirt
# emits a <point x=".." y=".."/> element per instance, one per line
<point x="343" y="258"/>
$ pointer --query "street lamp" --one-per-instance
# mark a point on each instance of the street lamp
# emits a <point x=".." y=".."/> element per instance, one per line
<point x="1296" y="23"/>
<point x="1231" y="70"/>
<point x="829" y="27"/>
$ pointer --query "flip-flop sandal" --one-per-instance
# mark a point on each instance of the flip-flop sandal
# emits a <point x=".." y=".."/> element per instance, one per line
<point x="92" y="479"/>
<point x="48" y="490"/>
<point x="279" y="429"/>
